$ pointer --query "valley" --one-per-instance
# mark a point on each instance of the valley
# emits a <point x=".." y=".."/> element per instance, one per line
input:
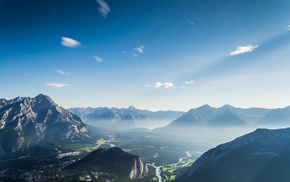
<point x="170" y="155"/>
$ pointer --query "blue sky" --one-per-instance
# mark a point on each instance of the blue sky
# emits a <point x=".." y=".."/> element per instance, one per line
<point x="153" y="54"/>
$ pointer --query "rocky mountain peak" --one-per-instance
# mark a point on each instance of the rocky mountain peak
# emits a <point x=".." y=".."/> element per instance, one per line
<point x="132" y="108"/>
<point x="43" y="99"/>
<point x="40" y="118"/>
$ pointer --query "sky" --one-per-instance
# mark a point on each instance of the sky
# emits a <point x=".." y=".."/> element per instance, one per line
<point x="152" y="54"/>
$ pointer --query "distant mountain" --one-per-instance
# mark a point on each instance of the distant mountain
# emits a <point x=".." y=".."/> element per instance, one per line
<point x="276" y="117"/>
<point x="113" y="161"/>
<point x="39" y="118"/>
<point x="209" y="117"/>
<point x="125" y="117"/>
<point x="261" y="156"/>
<point x="13" y="145"/>
<point x="226" y="119"/>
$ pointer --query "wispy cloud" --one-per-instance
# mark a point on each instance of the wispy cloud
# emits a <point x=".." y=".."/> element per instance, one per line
<point x="243" y="49"/>
<point x="98" y="59"/>
<point x="104" y="8"/>
<point x="140" y="49"/>
<point x="134" y="55"/>
<point x="189" y="82"/>
<point x="190" y="22"/>
<point x="147" y="85"/>
<point x="167" y="85"/>
<point x="62" y="72"/>
<point x="163" y="85"/>
<point x="69" y="42"/>
<point x="56" y="85"/>
<point x="288" y="27"/>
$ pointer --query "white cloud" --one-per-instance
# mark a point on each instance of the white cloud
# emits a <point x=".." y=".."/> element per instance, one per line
<point x="243" y="49"/>
<point x="104" y="8"/>
<point x="163" y="85"/>
<point x="189" y="82"/>
<point x="135" y="55"/>
<point x="158" y="85"/>
<point x="147" y="85"/>
<point x="168" y="85"/>
<point x="56" y="85"/>
<point x="288" y="27"/>
<point x="140" y="49"/>
<point x="98" y="59"/>
<point x="62" y="72"/>
<point x="69" y="42"/>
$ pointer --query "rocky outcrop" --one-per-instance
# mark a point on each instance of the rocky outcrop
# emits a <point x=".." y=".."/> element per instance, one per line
<point x="139" y="169"/>
<point x="39" y="118"/>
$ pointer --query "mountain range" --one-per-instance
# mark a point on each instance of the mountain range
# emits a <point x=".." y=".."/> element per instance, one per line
<point x="39" y="118"/>
<point x="124" y="117"/>
<point x="260" y="156"/>
<point x="229" y="116"/>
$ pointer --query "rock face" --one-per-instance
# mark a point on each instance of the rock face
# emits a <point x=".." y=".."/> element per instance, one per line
<point x="125" y="117"/>
<point x="139" y="169"/>
<point x="39" y="118"/>
<point x="261" y="156"/>
<point x="114" y="161"/>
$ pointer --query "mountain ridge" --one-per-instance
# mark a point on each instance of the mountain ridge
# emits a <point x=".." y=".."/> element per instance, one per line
<point x="105" y="116"/>
<point x="262" y="155"/>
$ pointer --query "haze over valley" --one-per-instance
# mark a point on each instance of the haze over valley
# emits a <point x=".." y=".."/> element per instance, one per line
<point x="144" y="90"/>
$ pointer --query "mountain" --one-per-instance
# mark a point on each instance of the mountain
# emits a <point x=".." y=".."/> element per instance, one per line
<point x="261" y="156"/>
<point x="114" y="161"/>
<point x="13" y="145"/>
<point x="130" y="117"/>
<point x="39" y="118"/>
<point x="209" y="117"/>
<point x="276" y="117"/>
<point x="226" y="119"/>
